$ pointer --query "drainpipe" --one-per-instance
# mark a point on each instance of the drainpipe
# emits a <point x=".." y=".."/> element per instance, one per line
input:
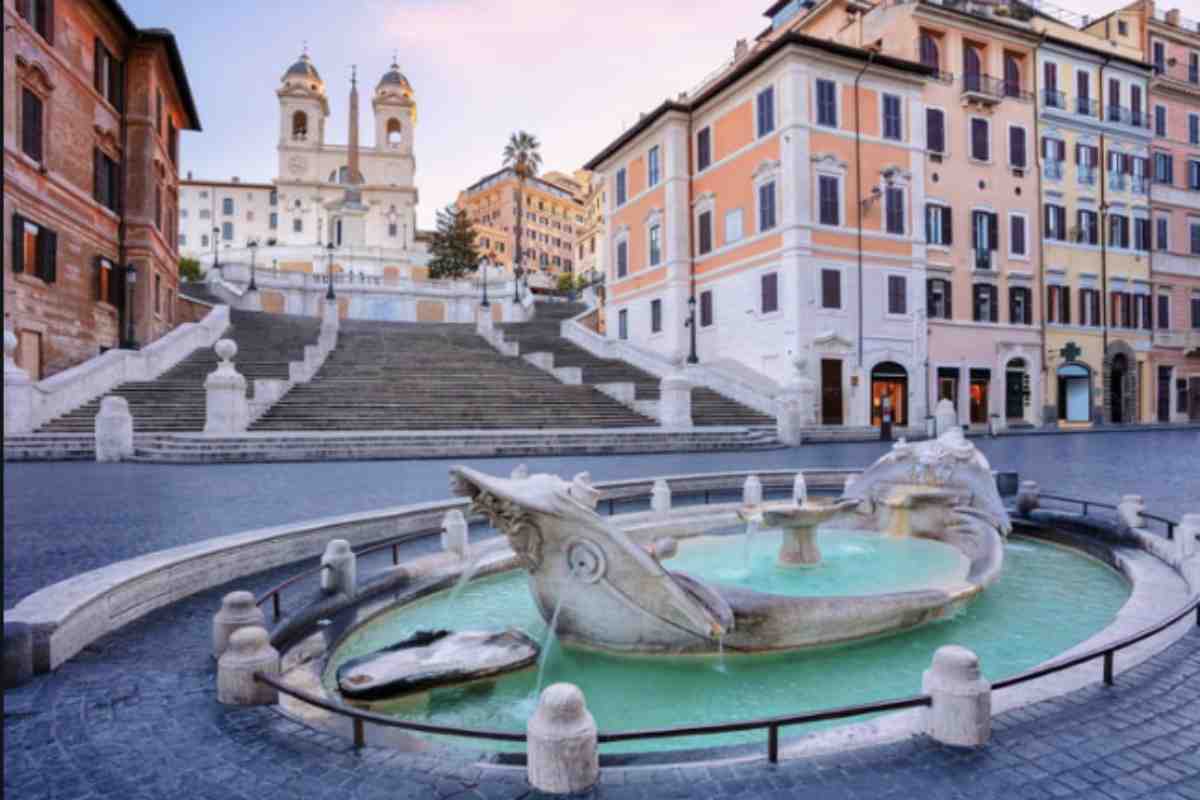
<point x="693" y="312"/>
<point x="125" y="334"/>
<point x="1103" y="224"/>
<point x="858" y="196"/>
<point x="1040" y="219"/>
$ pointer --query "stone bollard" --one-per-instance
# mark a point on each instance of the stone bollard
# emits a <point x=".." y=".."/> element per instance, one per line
<point x="454" y="534"/>
<point x="226" y="409"/>
<point x="795" y="411"/>
<point x="249" y="652"/>
<point x="1027" y="497"/>
<point x="238" y="610"/>
<point x="752" y="492"/>
<point x="341" y="574"/>
<point x="563" y="753"/>
<point x="1185" y="536"/>
<point x="519" y="472"/>
<point x="945" y="417"/>
<point x="1130" y="510"/>
<point x="18" y="391"/>
<point x="18" y="654"/>
<point x="799" y="490"/>
<point x="961" y="714"/>
<point x="660" y="498"/>
<point x="114" y="430"/>
<point x="675" y="401"/>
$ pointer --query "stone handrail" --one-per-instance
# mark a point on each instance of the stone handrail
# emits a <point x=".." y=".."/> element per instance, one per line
<point x="72" y="388"/>
<point x="574" y="331"/>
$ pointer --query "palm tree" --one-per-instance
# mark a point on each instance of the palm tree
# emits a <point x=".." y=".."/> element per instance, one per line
<point x="521" y="153"/>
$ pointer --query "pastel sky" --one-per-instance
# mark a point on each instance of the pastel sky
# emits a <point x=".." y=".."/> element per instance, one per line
<point x="575" y="73"/>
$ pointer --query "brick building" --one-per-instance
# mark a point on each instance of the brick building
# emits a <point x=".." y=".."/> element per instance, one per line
<point x="93" y="108"/>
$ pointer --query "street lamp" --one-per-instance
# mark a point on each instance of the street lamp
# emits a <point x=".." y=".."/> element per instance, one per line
<point x="216" y="254"/>
<point x="691" y="323"/>
<point x="329" y="295"/>
<point x="131" y="280"/>
<point x="517" y="273"/>
<point x="253" y="245"/>
<point x="484" y="264"/>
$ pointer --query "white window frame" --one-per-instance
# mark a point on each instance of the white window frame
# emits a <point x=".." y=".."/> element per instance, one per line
<point x="711" y="292"/>
<point x="831" y="167"/>
<point x="654" y="220"/>
<point x="1196" y="117"/>
<point x="654" y="148"/>
<point x="939" y="204"/>
<point x="761" y="276"/>
<point x="841" y="309"/>
<point x="758" y="184"/>
<point x="741" y="224"/>
<point x="837" y="104"/>
<point x="904" y="195"/>
<point x="712" y="149"/>
<point x="774" y="110"/>
<point x="991" y="145"/>
<point x="1008" y="146"/>
<point x="903" y="117"/>
<point x="706" y="202"/>
<point x="1025" y="221"/>
<point x="885" y="292"/>
<point x="946" y="139"/>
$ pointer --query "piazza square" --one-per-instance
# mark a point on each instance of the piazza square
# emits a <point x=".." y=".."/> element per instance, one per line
<point x="792" y="402"/>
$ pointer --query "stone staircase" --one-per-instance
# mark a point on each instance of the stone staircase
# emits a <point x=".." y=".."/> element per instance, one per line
<point x="542" y="335"/>
<point x="397" y="376"/>
<point x="175" y="400"/>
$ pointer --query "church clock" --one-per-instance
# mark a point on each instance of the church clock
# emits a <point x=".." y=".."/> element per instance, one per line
<point x="297" y="165"/>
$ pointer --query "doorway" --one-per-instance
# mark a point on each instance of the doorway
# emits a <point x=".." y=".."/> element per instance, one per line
<point x="890" y="380"/>
<point x="980" y="381"/>
<point x="831" y="391"/>
<point x="29" y="353"/>
<point x="1164" y="394"/>
<point x="1074" y="393"/>
<point x="1116" y="389"/>
<point x="1014" y="390"/>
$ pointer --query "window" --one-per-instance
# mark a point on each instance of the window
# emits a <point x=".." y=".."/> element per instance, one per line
<point x="766" y="206"/>
<point x="1016" y="236"/>
<point x="31" y="124"/>
<point x="1135" y="105"/>
<point x="985" y="237"/>
<point x="1089" y="307"/>
<point x="273" y="220"/>
<point x="765" y="108"/>
<point x="703" y="149"/>
<point x="1083" y="93"/>
<point x="935" y="130"/>
<point x="1016" y="147"/>
<point x="930" y="56"/>
<point x="158" y="294"/>
<point x="1160" y="121"/>
<point x="1194" y="175"/>
<point x="733" y="225"/>
<point x="829" y="199"/>
<point x="274" y="197"/>
<point x="1050" y="82"/>
<point x="938" y="298"/>
<point x="1020" y="305"/>
<point x="106" y="180"/>
<point x="985" y="303"/>
<point x="1122" y="28"/>
<point x="769" y="293"/>
<point x="204" y="240"/>
<point x="981" y="149"/>
<point x="1012" y="75"/>
<point x="897" y="294"/>
<point x="706" y="309"/>
<point x="622" y="259"/>
<point x="656" y="316"/>
<point x="655" y="238"/>
<point x="394" y="230"/>
<point x="831" y="288"/>
<point x="172" y="141"/>
<point x="1164" y="168"/>
<point x="297" y="225"/>
<point x="35" y="249"/>
<point x="705" y="238"/>
<point x="227" y="206"/>
<point x="1164" y="311"/>
<point x="227" y="231"/>
<point x="894" y="200"/>
<point x="40" y="16"/>
<point x="972" y="69"/>
<point x="1160" y="57"/>
<point x="1193" y="129"/>
<point x="1118" y="231"/>
<point x="107" y="74"/>
<point x="1088" y="227"/>
<point x="1058" y="304"/>
<point x="1194" y="236"/>
<point x="620" y="187"/>
<point x="158" y="116"/>
<point x="106" y="283"/>
<point x="892" y="125"/>
<point x="1141" y="234"/>
<point x="1055" y="222"/>
<point x="623" y="323"/>
<point x="652" y="167"/>
<point x="1161" y="228"/>
<point x="827" y="103"/>
<point x="1195" y="312"/>
<point x="158" y="207"/>
<point x="1114" y="100"/>
<point x="938" y="226"/>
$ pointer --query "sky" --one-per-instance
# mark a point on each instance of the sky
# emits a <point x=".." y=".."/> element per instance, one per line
<point x="575" y="73"/>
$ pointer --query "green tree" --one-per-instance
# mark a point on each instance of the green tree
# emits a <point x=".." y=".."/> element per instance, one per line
<point x="522" y="153"/>
<point x="452" y="245"/>
<point x="189" y="269"/>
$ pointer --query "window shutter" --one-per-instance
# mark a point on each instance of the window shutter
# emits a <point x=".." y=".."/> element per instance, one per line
<point x="929" y="297"/>
<point x="47" y="245"/>
<point x="18" y="243"/>
<point x="23" y="9"/>
<point x="99" y="283"/>
<point x="993" y="231"/>
<point x="97" y="65"/>
<point x="949" y="295"/>
<point x="116" y="82"/>
<point x="947" y="226"/>
<point x="98" y="177"/>
<point x="1012" y="304"/>
<point x="48" y="20"/>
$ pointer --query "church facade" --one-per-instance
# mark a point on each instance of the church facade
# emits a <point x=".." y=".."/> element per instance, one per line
<point x="362" y="200"/>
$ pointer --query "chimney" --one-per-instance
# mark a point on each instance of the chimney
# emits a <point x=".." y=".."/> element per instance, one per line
<point x="740" y="49"/>
<point x="1173" y="17"/>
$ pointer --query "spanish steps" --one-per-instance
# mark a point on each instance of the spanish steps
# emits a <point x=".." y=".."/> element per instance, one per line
<point x="175" y="400"/>
<point x="542" y="335"/>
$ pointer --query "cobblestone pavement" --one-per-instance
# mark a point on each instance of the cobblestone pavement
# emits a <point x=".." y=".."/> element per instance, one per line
<point x="135" y="714"/>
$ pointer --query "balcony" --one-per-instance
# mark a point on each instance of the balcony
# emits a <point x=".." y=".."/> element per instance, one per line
<point x="1087" y="107"/>
<point x="982" y="88"/>
<point x="1178" y="337"/>
<point x="1052" y="170"/>
<point x="1116" y="181"/>
<point x="1087" y="176"/>
<point x="1133" y="117"/>
<point x="1054" y="99"/>
<point x="1178" y="73"/>
<point x="981" y="260"/>
<point x="1139" y="184"/>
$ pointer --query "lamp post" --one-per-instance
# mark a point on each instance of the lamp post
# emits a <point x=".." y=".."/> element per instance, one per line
<point x="691" y="323"/>
<point x="131" y="280"/>
<point x="329" y="295"/>
<point x="484" y="264"/>
<point x="517" y="273"/>
<point x="216" y="252"/>
<point x="253" y="245"/>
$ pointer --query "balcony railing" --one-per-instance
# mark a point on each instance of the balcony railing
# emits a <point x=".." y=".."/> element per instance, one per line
<point x="1133" y="117"/>
<point x="1139" y="184"/>
<point x="1116" y="181"/>
<point x="1087" y="176"/>
<point x="983" y="260"/>
<point x="1052" y="169"/>
<point x="1053" y="99"/>
<point x="1087" y="107"/>
<point x="988" y="89"/>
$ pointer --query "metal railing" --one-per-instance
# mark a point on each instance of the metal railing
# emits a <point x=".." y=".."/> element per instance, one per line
<point x="772" y="724"/>
<point x="992" y="87"/>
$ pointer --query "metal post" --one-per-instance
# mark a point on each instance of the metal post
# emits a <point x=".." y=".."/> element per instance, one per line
<point x="773" y="744"/>
<point x="253" y="251"/>
<point x="360" y="735"/>
<point x="1108" y="668"/>
<point x="1170" y="530"/>
<point x="275" y="605"/>
<point x="691" y="325"/>
<point x="395" y="554"/>
<point x="329" y="295"/>
<point x="1085" y="509"/>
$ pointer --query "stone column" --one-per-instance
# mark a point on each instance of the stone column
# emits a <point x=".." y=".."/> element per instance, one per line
<point x="340" y="568"/>
<point x="18" y="391"/>
<point x="660" y="498"/>
<point x="249" y="652"/>
<point x="226" y="408"/>
<point x="796" y="410"/>
<point x="114" y="430"/>
<point x="752" y="492"/>
<point x="1027" y="497"/>
<point x="675" y="402"/>
<point x="961" y="714"/>
<point x="1130" y="510"/>
<point x="563" y="753"/>
<point x="454" y="534"/>
<point x="238" y="610"/>
<point x="945" y="416"/>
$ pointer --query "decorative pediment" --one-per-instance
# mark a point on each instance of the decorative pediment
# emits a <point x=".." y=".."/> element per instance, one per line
<point x="894" y="175"/>
<point x="831" y="342"/>
<point x="623" y="229"/>
<point x="704" y="199"/>
<point x="34" y="74"/>
<point x="765" y="168"/>
<point x="653" y="215"/>
<point x="107" y="140"/>
<point x="829" y="161"/>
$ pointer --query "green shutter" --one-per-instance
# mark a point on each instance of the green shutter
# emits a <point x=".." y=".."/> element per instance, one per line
<point x="18" y="243"/>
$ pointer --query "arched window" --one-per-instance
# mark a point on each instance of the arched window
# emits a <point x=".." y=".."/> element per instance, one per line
<point x="300" y="125"/>
<point x="930" y="56"/>
<point x="395" y="132"/>
<point x="1012" y="76"/>
<point x="972" y="69"/>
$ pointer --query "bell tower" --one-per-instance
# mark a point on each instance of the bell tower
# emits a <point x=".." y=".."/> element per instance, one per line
<point x="395" y="113"/>
<point x="303" y="107"/>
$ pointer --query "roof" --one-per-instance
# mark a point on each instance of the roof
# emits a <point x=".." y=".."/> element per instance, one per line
<point x="395" y="77"/>
<point x="175" y="61"/>
<point x="304" y="68"/>
<point x="233" y="184"/>
<point x="746" y="65"/>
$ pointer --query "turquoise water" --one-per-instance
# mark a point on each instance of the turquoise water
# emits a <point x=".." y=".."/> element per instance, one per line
<point x="1047" y="600"/>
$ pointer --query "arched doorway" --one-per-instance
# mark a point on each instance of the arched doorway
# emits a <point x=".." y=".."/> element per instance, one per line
<point x="1116" y="389"/>
<point x="1016" y="380"/>
<point x="890" y="380"/>
<point x="1074" y="393"/>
